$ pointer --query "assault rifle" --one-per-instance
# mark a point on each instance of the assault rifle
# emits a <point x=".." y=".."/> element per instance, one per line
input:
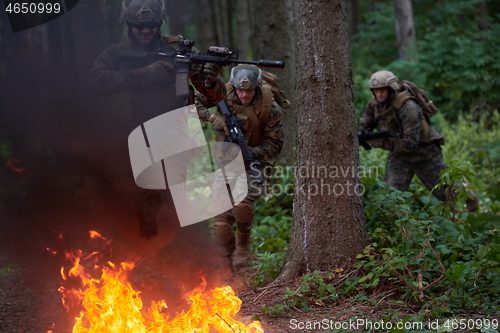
<point x="364" y="137"/>
<point x="236" y="136"/>
<point x="186" y="60"/>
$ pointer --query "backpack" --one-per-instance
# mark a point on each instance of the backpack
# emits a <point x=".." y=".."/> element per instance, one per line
<point x="428" y="108"/>
<point x="272" y="81"/>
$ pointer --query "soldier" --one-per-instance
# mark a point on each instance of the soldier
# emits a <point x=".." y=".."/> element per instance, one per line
<point x="417" y="147"/>
<point x="150" y="85"/>
<point x="252" y="102"/>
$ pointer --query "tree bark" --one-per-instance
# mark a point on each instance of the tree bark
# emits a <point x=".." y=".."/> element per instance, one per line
<point x="405" y="30"/>
<point x="273" y="38"/>
<point x="329" y="224"/>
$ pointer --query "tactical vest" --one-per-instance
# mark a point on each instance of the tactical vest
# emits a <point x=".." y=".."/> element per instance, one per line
<point x="254" y="116"/>
<point x="389" y="119"/>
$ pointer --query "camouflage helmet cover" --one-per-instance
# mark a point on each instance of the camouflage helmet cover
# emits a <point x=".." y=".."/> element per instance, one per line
<point x="142" y="11"/>
<point x="246" y="77"/>
<point x="382" y="79"/>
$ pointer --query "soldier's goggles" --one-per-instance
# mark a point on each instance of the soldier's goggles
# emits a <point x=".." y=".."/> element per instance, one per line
<point x="145" y="25"/>
<point x="380" y="90"/>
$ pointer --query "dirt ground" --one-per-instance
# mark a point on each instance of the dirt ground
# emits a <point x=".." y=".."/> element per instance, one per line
<point x="30" y="303"/>
<point x="31" y="259"/>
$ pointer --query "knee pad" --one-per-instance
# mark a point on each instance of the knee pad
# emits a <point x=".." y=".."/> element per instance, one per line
<point x="223" y="232"/>
<point x="243" y="212"/>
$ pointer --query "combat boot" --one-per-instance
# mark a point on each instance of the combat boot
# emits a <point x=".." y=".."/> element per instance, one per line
<point x="242" y="254"/>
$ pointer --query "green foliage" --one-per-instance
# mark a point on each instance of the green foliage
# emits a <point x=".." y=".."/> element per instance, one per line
<point x="268" y="266"/>
<point x="462" y="69"/>
<point x="372" y="47"/>
<point x="272" y="225"/>
<point x="438" y="261"/>
<point x="418" y="251"/>
<point x="458" y="64"/>
<point x="475" y="143"/>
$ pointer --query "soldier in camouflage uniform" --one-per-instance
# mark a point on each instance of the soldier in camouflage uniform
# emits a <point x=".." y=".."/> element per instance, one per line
<point x="150" y="85"/>
<point x="417" y="147"/>
<point x="252" y="102"/>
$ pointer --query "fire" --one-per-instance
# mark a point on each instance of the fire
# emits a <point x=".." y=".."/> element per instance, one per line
<point x="13" y="167"/>
<point x="111" y="305"/>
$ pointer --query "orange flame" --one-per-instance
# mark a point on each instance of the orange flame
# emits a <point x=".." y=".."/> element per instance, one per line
<point x="111" y="305"/>
<point x="52" y="252"/>
<point x="13" y="167"/>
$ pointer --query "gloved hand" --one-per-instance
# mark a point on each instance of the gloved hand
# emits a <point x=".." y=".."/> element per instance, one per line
<point x="219" y="123"/>
<point x="156" y="73"/>
<point x="211" y="72"/>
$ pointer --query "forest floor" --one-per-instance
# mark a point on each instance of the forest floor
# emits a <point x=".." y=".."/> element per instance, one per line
<point x="31" y="303"/>
<point x="30" y="277"/>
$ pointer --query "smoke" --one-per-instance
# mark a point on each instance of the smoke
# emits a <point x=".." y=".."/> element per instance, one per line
<point x="72" y="145"/>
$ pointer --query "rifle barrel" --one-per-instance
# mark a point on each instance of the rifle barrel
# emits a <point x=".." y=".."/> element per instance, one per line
<point x="264" y="63"/>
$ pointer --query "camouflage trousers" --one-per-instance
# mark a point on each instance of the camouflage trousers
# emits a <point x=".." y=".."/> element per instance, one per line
<point x="426" y="162"/>
<point x="254" y="192"/>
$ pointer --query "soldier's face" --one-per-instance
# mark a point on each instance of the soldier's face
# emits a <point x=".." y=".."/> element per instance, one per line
<point x="144" y="35"/>
<point x="381" y="94"/>
<point x="245" y="95"/>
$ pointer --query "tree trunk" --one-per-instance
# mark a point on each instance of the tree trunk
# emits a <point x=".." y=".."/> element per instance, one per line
<point x="205" y="26"/>
<point x="175" y="13"/>
<point x="222" y="20"/>
<point x="242" y="27"/>
<point x="352" y="11"/>
<point x="272" y="38"/>
<point x="90" y="33"/>
<point x="405" y="30"/>
<point x="329" y="224"/>
<point x="482" y="19"/>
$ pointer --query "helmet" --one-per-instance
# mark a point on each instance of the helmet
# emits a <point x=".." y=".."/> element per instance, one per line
<point x="382" y="79"/>
<point x="143" y="11"/>
<point x="246" y="77"/>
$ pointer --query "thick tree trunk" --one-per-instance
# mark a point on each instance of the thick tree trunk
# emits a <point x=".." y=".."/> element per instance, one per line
<point x="272" y="38"/>
<point x="405" y="30"/>
<point x="329" y="224"/>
